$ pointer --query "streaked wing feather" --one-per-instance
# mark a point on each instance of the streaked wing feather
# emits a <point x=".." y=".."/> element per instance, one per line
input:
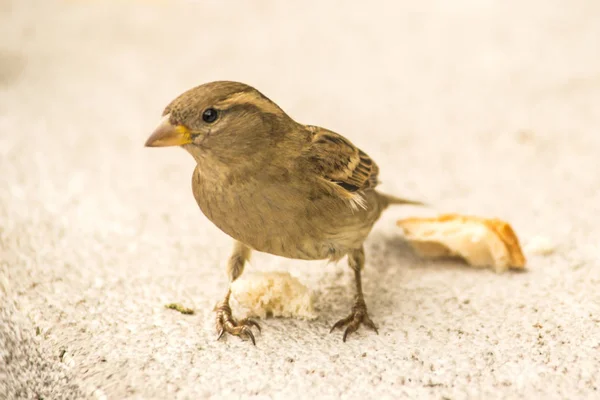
<point x="341" y="163"/>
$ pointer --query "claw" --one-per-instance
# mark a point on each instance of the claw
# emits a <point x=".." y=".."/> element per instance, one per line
<point x="352" y="327"/>
<point x="347" y="332"/>
<point x="220" y="335"/>
<point x="246" y="330"/>
<point x="248" y="321"/>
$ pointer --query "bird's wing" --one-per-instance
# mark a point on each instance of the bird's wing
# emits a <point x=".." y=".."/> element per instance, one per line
<point x="346" y="168"/>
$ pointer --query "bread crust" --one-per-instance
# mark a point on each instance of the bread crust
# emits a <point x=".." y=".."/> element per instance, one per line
<point x="427" y="236"/>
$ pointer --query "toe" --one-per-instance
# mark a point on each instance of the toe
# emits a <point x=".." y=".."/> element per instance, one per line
<point x="370" y="324"/>
<point x="353" y="327"/>
<point x="342" y="322"/>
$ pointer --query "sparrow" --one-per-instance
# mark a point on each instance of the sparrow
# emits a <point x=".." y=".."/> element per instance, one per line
<point x="275" y="185"/>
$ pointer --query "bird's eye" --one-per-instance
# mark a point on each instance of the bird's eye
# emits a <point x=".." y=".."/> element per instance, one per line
<point x="209" y="115"/>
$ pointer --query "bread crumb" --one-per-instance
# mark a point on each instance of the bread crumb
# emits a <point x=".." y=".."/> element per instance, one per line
<point x="273" y="294"/>
<point x="540" y="246"/>
<point x="481" y="242"/>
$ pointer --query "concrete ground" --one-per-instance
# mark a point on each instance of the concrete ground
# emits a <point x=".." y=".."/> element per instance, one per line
<point x="479" y="107"/>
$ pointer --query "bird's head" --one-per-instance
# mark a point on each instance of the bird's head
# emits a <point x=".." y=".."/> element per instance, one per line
<point x="221" y="120"/>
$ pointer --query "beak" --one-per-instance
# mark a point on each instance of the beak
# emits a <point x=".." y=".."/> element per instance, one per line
<point x="167" y="134"/>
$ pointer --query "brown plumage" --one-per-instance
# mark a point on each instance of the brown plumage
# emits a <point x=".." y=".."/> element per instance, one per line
<point x="274" y="185"/>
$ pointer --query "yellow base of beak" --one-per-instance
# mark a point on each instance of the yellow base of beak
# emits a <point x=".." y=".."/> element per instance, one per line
<point x="167" y="134"/>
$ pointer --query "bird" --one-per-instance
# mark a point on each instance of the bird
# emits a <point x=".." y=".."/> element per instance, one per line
<point x="275" y="186"/>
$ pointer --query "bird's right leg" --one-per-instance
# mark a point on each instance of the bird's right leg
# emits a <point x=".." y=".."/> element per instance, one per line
<point x="359" y="315"/>
<point x="225" y="321"/>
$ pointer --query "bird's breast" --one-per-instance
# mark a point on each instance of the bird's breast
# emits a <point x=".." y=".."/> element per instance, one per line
<point x="282" y="219"/>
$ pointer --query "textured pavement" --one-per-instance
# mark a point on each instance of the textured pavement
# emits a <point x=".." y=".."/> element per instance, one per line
<point x="479" y="107"/>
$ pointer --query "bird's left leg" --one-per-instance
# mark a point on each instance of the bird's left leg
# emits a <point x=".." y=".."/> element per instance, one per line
<point x="225" y="321"/>
<point x="356" y="260"/>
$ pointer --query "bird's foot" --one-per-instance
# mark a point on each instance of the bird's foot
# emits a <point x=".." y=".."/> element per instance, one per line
<point x="225" y="323"/>
<point x="358" y="316"/>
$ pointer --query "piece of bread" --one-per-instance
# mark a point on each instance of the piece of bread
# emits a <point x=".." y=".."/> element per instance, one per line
<point x="539" y="246"/>
<point x="482" y="242"/>
<point x="273" y="294"/>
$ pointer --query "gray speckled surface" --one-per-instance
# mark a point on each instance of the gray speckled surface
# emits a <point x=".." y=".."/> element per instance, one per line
<point x="479" y="107"/>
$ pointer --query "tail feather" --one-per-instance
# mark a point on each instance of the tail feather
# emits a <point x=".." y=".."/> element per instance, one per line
<point x="389" y="200"/>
